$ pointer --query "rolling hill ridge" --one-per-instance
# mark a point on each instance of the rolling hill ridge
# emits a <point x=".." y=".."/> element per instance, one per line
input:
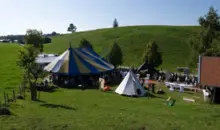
<point x="172" y="42"/>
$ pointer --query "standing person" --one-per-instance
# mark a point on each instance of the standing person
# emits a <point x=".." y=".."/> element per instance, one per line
<point x="159" y="78"/>
<point x="141" y="82"/>
<point x="186" y="79"/>
<point x="178" y="79"/>
<point x="81" y="83"/>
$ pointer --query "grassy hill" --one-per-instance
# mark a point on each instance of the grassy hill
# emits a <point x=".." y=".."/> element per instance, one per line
<point x="9" y="72"/>
<point x="93" y="109"/>
<point x="172" y="41"/>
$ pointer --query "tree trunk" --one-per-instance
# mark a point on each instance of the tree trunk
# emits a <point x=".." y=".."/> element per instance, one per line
<point x="33" y="92"/>
<point x="33" y="88"/>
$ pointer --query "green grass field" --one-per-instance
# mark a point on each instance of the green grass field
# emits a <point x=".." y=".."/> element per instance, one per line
<point x="96" y="110"/>
<point x="172" y="40"/>
<point x="9" y="72"/>
<point x="92" y="109"/>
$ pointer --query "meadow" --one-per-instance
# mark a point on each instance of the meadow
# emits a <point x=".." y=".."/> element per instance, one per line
<point x="96" y="110"/>
<point x="93" y="109"/>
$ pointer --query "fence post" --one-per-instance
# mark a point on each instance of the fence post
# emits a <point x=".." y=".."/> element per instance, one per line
<point x="39" y="95"/>
<point x="20" y="90"/>
<point x="14" y="98"/>
<point x="23" y="89"/>
<point x="5" y="98"/>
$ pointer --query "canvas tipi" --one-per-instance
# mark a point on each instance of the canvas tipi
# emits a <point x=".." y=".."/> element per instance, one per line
<point x="130" y="86"/>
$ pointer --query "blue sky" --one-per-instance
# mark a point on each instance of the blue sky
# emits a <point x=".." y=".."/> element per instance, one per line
<point x="55" y="15"/>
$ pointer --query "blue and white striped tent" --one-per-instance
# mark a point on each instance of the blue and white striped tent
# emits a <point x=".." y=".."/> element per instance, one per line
<point x="79" y="61"/>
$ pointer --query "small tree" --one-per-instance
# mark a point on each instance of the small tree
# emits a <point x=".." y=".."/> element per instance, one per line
<point x="47" y="40"/>
<point x="54" y="33"/>
<point x="34" y="38"/>
<point x="85" y="43"/>
<point x="115" y="23"/>
<point x="152" y="55"/>
<point x="72" y="28"/>
<point x="26" y="60"/>
<point x="115" y="56"/>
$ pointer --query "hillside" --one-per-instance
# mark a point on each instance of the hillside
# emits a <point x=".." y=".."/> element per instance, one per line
<point x="9" y="72"/>
<point x="172" y="41"/>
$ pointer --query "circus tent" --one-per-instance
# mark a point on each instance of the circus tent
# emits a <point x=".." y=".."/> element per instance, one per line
<point x="79" y="61"/>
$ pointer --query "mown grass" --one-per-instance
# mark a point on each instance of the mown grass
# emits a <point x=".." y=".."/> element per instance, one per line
<point x="172" y="40"/>
<point x="96" y="110"/>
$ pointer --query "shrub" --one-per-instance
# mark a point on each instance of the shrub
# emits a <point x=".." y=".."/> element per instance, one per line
<point x="4" y="111"/>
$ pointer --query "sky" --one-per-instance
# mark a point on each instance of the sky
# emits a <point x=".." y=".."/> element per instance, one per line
<point x="55" y="15"/>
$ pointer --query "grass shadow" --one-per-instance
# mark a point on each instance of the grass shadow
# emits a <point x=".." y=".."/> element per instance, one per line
<point x="40" y="101"/>
<point x="48" y="105"/>
<point x="49" y="89"/>
<point x="86" y="87"/>
<point x="188" y="92"/>
<point x="150" y="95"/>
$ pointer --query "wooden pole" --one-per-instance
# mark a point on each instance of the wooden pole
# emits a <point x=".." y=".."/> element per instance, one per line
<point x="20" y="90"/>
<point x="5" y="98"/>
<point x="14" y="98"/>
<point x="39" y="95"/>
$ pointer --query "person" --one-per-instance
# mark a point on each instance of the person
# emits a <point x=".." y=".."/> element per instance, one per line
<point x="178" y="79"/>
<point x="160" y="91"/>
<point x="181" y="89"/>
<point x="91" y="80"/>
<point x="73" y="82"/>
<point x="141" y="82"/>
<point x="46" y="83"/>
<point x="159" y="78"/>
<point x="50" y="78"/>
<point x="186" y="79"/>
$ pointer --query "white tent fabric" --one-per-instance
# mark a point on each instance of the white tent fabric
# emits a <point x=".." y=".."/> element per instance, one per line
<point x="130" y="85"/>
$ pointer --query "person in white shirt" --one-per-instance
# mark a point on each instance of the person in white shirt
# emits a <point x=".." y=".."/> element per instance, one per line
<point x="178" y="79"/>
<point x="186" y="79"/>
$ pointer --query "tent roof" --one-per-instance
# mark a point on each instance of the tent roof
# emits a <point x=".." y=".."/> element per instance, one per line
<point x="79" y="61"/>
<point x="144" y="66"/>
<point x="129" y="86"/>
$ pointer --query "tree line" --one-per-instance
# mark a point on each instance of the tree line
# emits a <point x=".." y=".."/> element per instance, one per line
<point x="21" y="38"/>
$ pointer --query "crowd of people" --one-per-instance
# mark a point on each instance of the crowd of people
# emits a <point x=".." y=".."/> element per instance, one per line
<point x="174" y="77"/>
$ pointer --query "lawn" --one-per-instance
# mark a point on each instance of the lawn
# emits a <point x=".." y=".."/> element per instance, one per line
<point x="93" y="109"/>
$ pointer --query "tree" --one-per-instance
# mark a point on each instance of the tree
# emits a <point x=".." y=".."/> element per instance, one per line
<point x="85" y="43"/>
<point x="115" y="56"/>
<point x="115" y="23"/>
<point x="152" y="55"/>
<point x="47" y="40"/>
<point x="35" y="38"/>
<point x="26" y="60"/>
<point x="54" y="33"/>
<point x="206" y="43"/>
<point x="72" y="28"/>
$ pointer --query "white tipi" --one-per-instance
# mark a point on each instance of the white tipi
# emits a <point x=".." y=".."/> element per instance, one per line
<point x="130" y="86"/>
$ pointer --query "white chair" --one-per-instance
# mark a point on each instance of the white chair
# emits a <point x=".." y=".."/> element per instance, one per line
<point x="172" y="87"/>
<point x="181" y="88"/>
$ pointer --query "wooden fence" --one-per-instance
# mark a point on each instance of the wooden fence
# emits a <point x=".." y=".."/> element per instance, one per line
<point x="12" y="96"/>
